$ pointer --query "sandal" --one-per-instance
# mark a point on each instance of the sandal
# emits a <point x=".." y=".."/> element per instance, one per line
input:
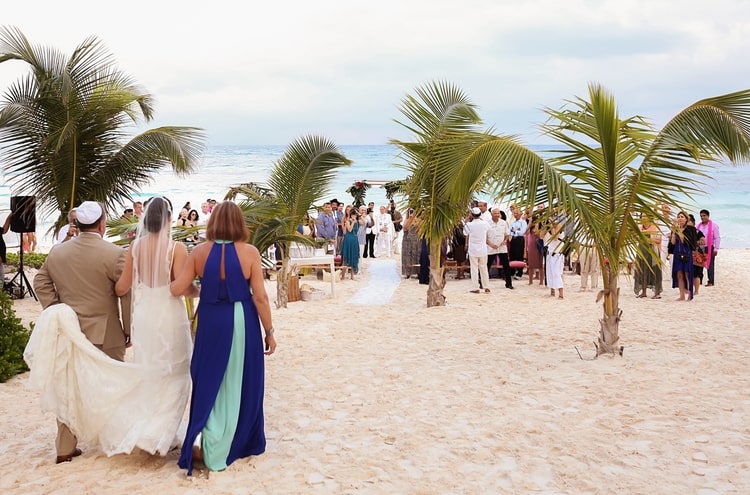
<point x="475" y="291"/>
<point x="657" y="296"/>
<point x="640" y="296"/>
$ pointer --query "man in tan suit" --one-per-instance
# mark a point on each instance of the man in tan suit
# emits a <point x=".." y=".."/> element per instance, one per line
<point x="82" y="274"/>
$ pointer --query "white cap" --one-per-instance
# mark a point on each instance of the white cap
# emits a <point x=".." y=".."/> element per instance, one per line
<point x="88" y="212"/>
<point x="476" y="211"/>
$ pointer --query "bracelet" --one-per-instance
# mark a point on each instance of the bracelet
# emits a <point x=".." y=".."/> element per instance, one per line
<point x="269" y="332"/>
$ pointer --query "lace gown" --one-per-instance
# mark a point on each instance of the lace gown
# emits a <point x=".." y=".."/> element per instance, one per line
<point x="227" y="368"/>
<point x="117" y="406"/>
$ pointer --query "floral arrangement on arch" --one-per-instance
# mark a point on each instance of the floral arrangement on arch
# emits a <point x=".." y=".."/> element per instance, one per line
<point x="358" y="190"/>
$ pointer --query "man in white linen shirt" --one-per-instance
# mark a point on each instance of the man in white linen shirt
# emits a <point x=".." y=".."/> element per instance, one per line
<point x="497" y="236"/>
<point x="476" y="236"/>
<point x="384" y="233"/>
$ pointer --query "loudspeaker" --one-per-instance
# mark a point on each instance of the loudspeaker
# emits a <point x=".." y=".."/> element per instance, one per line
<point x="24" y="214"/>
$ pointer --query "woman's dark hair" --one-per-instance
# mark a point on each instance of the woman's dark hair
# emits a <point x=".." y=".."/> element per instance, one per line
<point x="197" y="217"/>
<point x="153" y="219"/>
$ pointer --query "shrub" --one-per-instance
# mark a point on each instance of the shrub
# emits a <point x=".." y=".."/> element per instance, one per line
<point x="32" y="260"/>
<point x="13" y="340"/>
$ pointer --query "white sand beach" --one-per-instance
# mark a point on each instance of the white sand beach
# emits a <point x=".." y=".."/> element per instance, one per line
<point x="485" y="395"/>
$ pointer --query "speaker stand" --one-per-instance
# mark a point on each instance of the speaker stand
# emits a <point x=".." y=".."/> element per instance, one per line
<point x="23" y="286"/>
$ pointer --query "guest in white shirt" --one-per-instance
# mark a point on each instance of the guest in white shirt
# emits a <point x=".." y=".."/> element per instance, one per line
<point x="476" y="235"/>
<point x="497" y="247"/>
<point x="384" y="235"/>
<point x="69" y="230"/>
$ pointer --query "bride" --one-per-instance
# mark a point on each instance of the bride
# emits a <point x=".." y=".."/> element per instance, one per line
<point x="160" y="334"/>
<point x="118" y="406"/>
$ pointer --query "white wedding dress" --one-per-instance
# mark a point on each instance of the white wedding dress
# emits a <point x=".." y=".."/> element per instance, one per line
<point x="117" y="406"/>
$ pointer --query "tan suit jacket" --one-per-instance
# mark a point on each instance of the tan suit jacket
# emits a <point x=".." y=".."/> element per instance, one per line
<point x="82" y="274"/>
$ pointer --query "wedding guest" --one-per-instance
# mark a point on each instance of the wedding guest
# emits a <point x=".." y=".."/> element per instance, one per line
<point x="684" y="240"/>
<point x="534" y="250"/>
<point x="498" y="236"/>
<point x="410" y="246"/>
<point x="363" y="224"/>
<point x="338" y="216"/>
<point x="647" y="270"/>
<point x="326" y="228"/>
<point x="486" y="214"/>
<point x="227" y="368"/>
<point x="138" y="209"/>
<point x="710" y="229"/>
<point x="69" y="275"/>
<point x="588" y="260"/>
<point x="29" y="242"/>
<point x="370" y="232"/>
<point x="700" y="256"/>
<point x="4" y="249"/>
<point x="664" y="252"/>
<point x="193" y="220"/>
<point x="398" y="226"/>
<point x="476" y="239"/>
<point x="458" y="248"/>
<point x="555" y="259"/>
<point x="350" y="244"/>
<point x="384" y="229"/>
<point x="69" y="230"/>
<point x="517" y="240"/>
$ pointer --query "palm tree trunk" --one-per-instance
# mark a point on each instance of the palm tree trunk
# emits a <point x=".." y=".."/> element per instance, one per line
<point x="282" y="283"/>
<point x="435" y="296"/>
<point x="609" y="337"/>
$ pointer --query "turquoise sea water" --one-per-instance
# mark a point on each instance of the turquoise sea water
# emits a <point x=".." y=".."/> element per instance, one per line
<point x="727" y="196"/>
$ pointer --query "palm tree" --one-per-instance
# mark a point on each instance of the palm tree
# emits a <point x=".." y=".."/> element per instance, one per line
<point x="449" y="161"/>
<point x="64" y="128"/>
<point x="609" y="169"/>
<point x="300" y="177"/>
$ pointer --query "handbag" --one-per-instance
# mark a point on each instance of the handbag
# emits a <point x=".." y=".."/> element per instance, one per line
<point x="699" y="258"/>
<point x="684" y="257"/>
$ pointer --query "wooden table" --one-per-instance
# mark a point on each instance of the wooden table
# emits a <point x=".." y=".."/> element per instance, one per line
<point x="318" y="261"/>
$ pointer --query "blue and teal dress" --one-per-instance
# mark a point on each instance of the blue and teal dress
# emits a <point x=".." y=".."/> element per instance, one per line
<point x="350" y="249"/>
<point x="226" y="405"/>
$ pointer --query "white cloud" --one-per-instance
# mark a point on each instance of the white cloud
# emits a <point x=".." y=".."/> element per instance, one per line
<point x="268" y="72"/>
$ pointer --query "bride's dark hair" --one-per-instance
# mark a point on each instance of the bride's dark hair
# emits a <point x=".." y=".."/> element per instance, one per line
<point x="158" y="212"/>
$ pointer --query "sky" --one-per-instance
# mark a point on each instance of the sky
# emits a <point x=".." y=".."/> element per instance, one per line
<point x="270" y="72"/>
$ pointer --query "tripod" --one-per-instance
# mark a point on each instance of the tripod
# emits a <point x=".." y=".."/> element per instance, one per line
<point x="22" y="287"/>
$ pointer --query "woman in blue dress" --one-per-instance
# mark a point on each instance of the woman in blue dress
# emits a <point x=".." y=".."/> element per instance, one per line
<point x="227" y="369"/>
<point x="684" y="237"/>
<point x="350" y="244"/>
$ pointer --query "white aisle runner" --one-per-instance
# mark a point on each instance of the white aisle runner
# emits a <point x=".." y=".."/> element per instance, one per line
<point x="384" y="279"/>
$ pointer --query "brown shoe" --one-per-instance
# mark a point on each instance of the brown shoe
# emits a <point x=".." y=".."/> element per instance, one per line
<point x="69" y="457"/>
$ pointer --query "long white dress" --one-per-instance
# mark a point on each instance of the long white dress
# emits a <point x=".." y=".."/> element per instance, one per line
<point x="117" y="406"/>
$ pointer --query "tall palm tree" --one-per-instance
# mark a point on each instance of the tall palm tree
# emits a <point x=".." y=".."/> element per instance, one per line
<point x="450" y="160"/>
<point x="302" y="175"/>
<point x="65" y="128"/>
<point x="609" y="169"/>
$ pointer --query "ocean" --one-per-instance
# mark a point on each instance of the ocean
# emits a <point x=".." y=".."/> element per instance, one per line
<point x="727" y="195"/>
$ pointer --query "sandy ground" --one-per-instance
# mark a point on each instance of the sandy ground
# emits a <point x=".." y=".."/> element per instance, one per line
<point x="485" y="395"/>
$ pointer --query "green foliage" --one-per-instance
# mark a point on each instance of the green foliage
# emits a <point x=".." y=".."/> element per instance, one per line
<point x="68" y="128"/>
<point x="13" y="340"/>
<point x="32" y="260"/>
<point x="358" y="190"/>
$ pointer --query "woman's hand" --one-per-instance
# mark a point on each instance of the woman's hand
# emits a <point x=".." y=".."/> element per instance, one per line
<point x="270" y="345"/>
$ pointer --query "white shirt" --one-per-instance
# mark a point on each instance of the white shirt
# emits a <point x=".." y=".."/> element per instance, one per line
<point x="477" y="230"/>
<point x="496" y="235"/>
<point x="384" y="223"/>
